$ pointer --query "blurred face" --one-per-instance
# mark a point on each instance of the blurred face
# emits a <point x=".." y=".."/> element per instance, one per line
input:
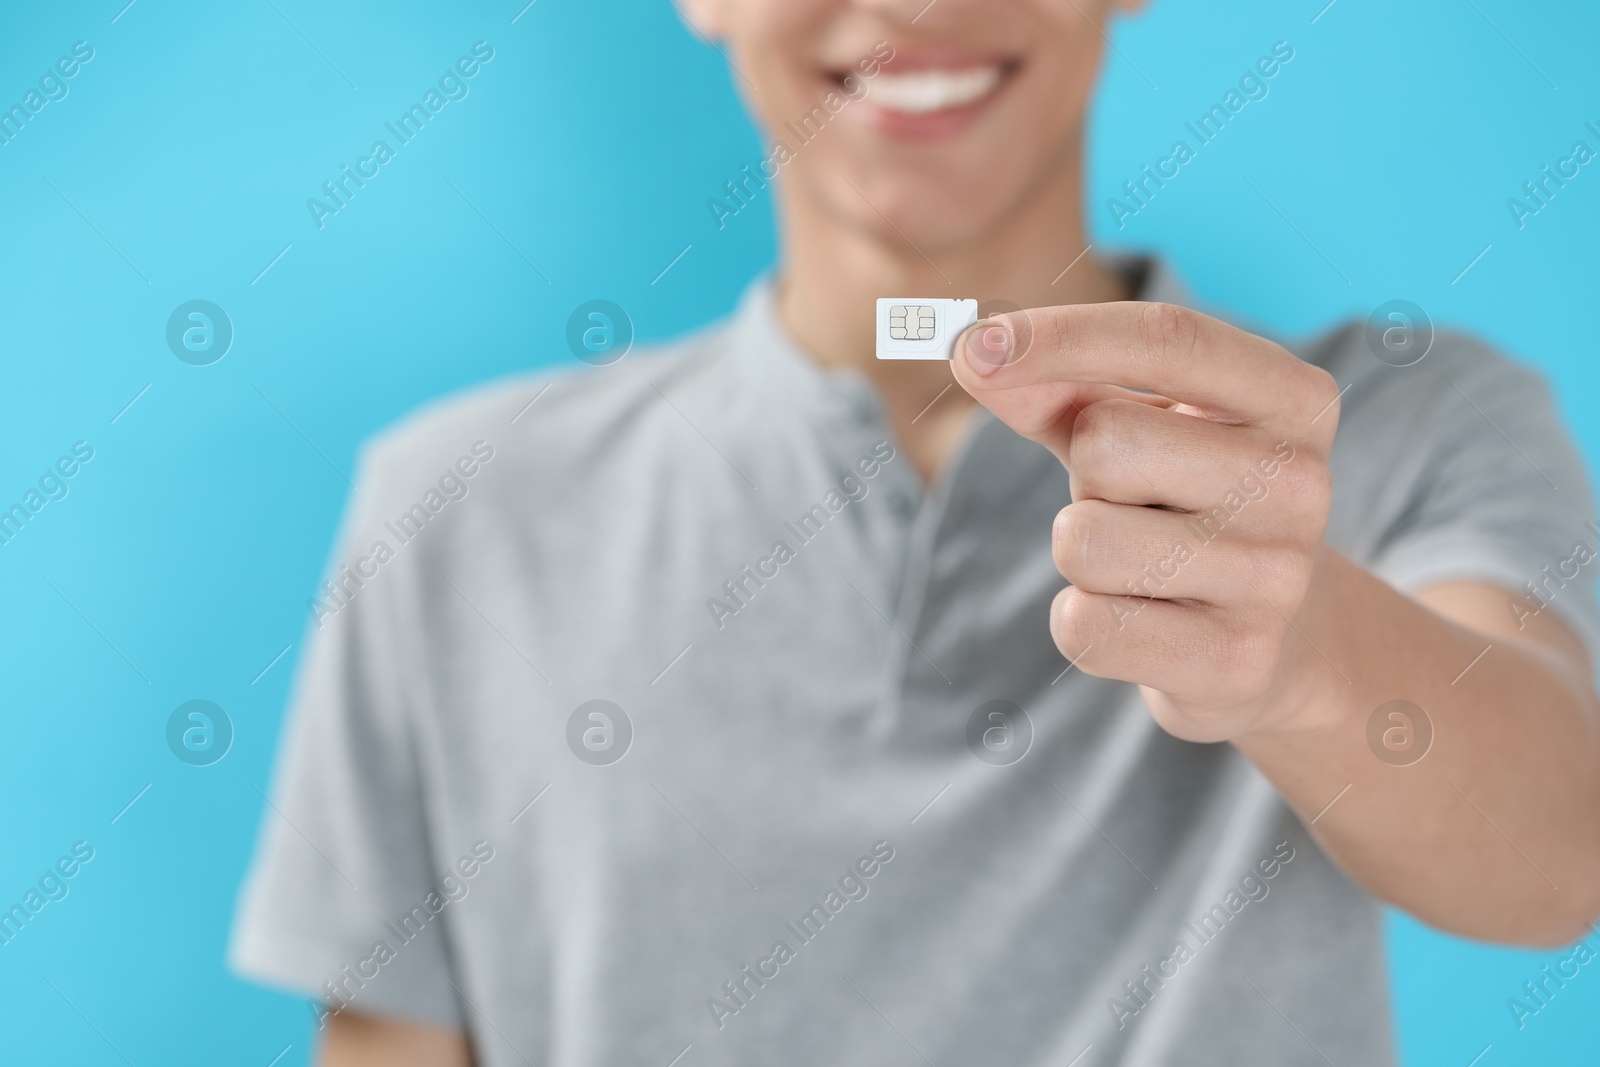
<point x="946" y="116"/>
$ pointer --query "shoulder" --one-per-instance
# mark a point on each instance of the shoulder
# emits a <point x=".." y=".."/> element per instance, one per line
<point x="1421" y="372"/>
<point x="1446" y="413"/>
<point x="1463" y="406"/>
<point x="1463" y="410"/>
<point x="1411" y="379"/>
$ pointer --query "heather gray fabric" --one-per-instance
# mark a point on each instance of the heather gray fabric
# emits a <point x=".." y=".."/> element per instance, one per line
<point x="800" y="769"/>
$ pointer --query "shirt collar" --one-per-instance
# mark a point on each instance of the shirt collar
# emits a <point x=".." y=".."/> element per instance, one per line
<point x="773" y="363"/>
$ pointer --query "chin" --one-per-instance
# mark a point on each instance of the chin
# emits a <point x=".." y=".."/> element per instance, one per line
<point x="931" y="215"/>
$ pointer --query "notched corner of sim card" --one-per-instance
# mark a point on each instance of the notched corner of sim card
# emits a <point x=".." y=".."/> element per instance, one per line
<point x="921" y="327"/>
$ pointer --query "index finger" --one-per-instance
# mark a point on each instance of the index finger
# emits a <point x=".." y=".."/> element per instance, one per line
<point x="1167" y="349"/>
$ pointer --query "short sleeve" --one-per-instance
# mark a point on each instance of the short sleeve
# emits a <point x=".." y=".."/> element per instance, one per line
<point x="337" y="902"/>
<point x="1500" y="495"/>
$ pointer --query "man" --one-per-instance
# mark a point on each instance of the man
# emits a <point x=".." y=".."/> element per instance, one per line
<point x="759" y="702"/>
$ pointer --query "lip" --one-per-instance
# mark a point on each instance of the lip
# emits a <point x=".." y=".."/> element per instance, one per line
<point x="946" y="122"/>
<point x="909" y="58"/>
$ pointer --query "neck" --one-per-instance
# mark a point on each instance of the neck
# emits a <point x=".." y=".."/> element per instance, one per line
<point x="834" y="268"/>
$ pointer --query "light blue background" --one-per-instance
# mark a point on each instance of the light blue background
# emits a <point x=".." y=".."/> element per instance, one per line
<point x="593" y="139"/>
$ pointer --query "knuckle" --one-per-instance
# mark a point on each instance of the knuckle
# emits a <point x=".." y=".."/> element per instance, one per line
<point x="1246" y="657"/>
<point x="1036" y="421"/>
<point x="1324" y="392"/>
<point x="1072" y="622"/>
<point x="1077" y="540"/>
<point x="1098" y="433"/>
<point x="1105" y="435"/>
<point x="1283" y="574"/>
<point x="1320" y="490"/>
<point x="1168" y="332"/>
<point x="1084" y="448"/>
<point x="1045" y="331"/>
<point x="1120" y="423"/>
<point x="1038" y="414"/>
<point x="1307" y="491"/>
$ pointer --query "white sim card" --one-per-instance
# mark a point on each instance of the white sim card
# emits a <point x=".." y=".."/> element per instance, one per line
<point x="922" y="327"/>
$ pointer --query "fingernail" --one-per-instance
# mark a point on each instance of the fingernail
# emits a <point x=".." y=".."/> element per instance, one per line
<point x="989" y="349"/>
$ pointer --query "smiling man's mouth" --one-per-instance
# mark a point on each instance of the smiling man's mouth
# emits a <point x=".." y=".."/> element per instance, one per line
<point x="929" y="91"/>
<point x="920" y="92"/>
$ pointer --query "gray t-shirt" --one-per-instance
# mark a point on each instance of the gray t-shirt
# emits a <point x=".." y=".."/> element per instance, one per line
<point x="863" y="814"/>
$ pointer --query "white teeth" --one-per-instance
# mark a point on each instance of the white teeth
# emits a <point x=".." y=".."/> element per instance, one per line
<point x="922" y="91"/>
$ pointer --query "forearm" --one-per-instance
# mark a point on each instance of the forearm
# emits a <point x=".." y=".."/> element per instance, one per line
<point x="356" y="1040"/>
<point x="1495" y="832"/>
